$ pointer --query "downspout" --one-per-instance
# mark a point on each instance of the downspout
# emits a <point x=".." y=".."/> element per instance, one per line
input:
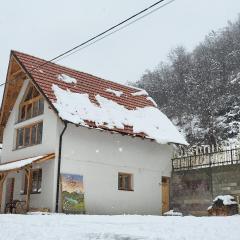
<point x="59" y="165"/>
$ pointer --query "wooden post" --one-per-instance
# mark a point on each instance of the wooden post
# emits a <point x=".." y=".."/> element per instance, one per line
<point x="2" y="179"/>
<point x="29" y="187"/>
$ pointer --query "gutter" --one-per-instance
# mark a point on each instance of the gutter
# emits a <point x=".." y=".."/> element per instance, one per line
<point x="59" y="165"/>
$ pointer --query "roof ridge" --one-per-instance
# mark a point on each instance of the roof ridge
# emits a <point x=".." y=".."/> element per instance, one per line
<point x="89" y="74"/>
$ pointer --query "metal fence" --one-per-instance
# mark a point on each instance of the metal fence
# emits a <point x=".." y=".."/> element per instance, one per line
<point x="207" y="159"/>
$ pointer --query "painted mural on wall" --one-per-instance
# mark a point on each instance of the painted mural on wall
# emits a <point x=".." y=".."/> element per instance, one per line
<point x="72" y="194"/>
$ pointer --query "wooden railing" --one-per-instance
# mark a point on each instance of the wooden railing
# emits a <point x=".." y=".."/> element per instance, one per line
<point x="219" y="157"/>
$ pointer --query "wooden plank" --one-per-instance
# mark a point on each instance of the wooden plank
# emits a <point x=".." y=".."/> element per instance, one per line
<point x="15" y="67"/>
<point x="165" y="194"/>
<point x="29" y="187"/>
<point x="18" y="73"/>
<point x="47" y="158"/>
<point x="41" y="160"/>
<point x="2" y="179"/>
<point x="6" y="89"/>
<point x="32" y="100"/>
<point x="11" y="91"/>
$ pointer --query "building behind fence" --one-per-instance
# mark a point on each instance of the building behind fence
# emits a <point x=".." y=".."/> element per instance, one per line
<point x="202" y="173"/>
<point x="205" y="156"/>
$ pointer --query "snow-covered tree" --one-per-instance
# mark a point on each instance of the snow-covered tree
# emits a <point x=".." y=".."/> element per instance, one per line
<point x="199" y="90"/>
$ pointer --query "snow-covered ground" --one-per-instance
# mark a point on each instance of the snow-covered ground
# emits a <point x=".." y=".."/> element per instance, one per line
<point x="61" y="227"/>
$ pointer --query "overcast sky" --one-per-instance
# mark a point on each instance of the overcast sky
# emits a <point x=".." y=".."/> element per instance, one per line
<point x="46" y="28"/>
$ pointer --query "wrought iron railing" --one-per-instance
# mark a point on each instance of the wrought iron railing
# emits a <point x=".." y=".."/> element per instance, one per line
<point x="207" y="159"/>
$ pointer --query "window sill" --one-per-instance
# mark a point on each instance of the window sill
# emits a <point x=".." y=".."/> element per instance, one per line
<point x="20" y="122"/>
<point x="19" y="148"/>
<point x="127" y="190"/>
<point x="30" y="193"/>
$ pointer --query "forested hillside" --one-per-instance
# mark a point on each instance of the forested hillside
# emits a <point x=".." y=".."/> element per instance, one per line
<point x="200" y="90"/>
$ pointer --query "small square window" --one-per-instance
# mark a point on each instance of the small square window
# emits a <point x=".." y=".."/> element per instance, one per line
<point x="125" y="181"/>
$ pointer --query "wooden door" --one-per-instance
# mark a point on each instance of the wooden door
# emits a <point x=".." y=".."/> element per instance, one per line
<point x="9" y="190"/>
<point x="165" y="194"/>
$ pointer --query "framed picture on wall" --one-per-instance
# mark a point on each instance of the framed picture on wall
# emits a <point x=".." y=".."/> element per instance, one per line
<point x="72" y="193"/>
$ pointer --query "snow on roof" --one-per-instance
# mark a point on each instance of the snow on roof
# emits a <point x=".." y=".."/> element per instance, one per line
<point x="77" y="108"/>
<point x="132" y="98"/>
<point x="18" y="164"/>
<point x="227" y="199"/>
<point x="140" y="93"/>
<point x="151" y="99"/>
<point x="115" y="92"/>
<point x="134" y="87"/>
<point x="67" y="79"/>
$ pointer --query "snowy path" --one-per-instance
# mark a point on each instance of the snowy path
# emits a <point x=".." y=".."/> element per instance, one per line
<point x="61" y="227"/>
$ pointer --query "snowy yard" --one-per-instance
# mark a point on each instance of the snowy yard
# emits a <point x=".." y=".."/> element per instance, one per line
<point x="61" y="227"/>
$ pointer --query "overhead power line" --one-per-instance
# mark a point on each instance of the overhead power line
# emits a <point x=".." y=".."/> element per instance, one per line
<point x="136" y="17"/>
<point x="87" y="42"/>
<point x="117" y="30"/>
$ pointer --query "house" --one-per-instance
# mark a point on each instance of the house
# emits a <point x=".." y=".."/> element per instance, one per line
<point x="76" y="143"/>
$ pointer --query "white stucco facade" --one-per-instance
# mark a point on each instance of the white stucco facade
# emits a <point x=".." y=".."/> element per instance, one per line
<point x="45" y="199"/>
<point x="99" y="156"/>
<point x="49" y="118"/>
<point x="96" y="155"/>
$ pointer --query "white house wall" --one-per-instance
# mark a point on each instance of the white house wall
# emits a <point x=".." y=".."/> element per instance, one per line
<point x="49" y="145"/>
<point x="9" y="153"/>
<point x="99" y="156"/>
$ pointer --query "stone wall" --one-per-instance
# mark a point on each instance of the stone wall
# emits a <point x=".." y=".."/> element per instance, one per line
<point x="192" y="191"/>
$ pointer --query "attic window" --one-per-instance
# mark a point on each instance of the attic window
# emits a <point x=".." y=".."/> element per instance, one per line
<point x="32" y="104"/>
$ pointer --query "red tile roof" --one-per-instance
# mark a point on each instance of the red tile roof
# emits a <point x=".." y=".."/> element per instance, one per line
<point x="47" y="75"/>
